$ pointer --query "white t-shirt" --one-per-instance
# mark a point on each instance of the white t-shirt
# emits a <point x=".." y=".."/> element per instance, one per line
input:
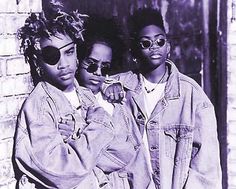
<point x="73" y="98"/>
<point x="150" y="100"/>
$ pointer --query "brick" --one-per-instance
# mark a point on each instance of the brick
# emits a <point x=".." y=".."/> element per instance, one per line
<point x="232" y="155"/>
<point x="231" y="141"/>
<point x="2" y="67"/>
<point x="8" y="86"/>
<point x="12" y="184"/>
<point x="23" y="6"/>
<point x="12" y="107"/>
<point x="17" y="65"/>
<point x="7" y="128"/>
<point x="6" y="149"/>
<point x="17" y="85"/>
<point x="2" y="23"/>
<point x="35" y="6"/>
<point x="3" y="151"/>
<point x="232" y="50"/>
<point x="3" y="109"/>
<point x="9" y="45"/>
<point x="6" y="171"/>
<point x="232" y="167"/>
<point x="23" y="84"/>
<point x="7" y="6"/>
<point x="232" y="181"/>
<point x="14" y="22"/>
<point x="232" y="128"/>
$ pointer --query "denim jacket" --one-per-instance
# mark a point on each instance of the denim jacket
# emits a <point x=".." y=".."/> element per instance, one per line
<point x="181" y="131"/>
<point x="41" y="153"/>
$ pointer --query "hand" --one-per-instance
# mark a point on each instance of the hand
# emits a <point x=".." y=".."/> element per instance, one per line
<point x="24" y="183"/>
<point x="97" y="114"/>
<point x="114" y="93"/>
<point x="66" y="126"/>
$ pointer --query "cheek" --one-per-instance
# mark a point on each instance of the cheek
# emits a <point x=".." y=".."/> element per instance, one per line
<point x="83" y="75"/>
<point x="145" y="52"/>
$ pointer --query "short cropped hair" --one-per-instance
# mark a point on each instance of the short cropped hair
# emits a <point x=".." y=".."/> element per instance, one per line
<point x="137" y="21"/>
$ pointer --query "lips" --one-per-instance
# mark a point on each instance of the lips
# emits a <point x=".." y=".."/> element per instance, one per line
<point x="155" y="56"/>
<point x="95" y="81"/>
<point x="64" y="75"/>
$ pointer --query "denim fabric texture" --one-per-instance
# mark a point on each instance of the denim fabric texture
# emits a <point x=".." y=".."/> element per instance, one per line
<point x="181" y="131"/>
<point x="112" y="155"/>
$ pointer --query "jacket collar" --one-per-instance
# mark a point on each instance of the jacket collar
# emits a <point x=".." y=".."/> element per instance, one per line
<point x="172" y="89"/>
<point x="85" y="96"/>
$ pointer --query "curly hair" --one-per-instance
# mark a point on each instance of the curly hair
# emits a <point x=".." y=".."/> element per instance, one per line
<point x="37" y="26"/>
<point x="137" y="21"/>
<point x="99" y="29"/>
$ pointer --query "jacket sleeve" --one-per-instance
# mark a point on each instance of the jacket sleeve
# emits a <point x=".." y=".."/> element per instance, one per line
<point x="205" y="170"/>
<point x="41" y="153"/>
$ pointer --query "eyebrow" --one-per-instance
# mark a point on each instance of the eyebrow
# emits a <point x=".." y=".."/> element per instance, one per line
<point x="96" y="61"/>
<point x="72" y="48"/>
<point x="154" y="36"/>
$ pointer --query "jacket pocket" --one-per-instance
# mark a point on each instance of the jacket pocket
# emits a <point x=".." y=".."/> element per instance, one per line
<point x="178" y="142"/>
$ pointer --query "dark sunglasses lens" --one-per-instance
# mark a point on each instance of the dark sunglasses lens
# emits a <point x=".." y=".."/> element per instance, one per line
<point x="105" y="70"/>
<point x="145" y="44"/>
<point x="161" y="42"/>
<point x="92" y="68"/>
<point x="51" y="55"/>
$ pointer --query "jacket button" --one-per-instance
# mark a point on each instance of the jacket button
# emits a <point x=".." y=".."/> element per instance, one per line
<point x="156" y="172"/>
<point x="154" y="147"/>
<point x="140" y="116"/>
<point x="153" y="122"/>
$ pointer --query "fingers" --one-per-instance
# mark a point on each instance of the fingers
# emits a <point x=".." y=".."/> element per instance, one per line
<point x="66" y="126"/>
<point x="114" y="93"/>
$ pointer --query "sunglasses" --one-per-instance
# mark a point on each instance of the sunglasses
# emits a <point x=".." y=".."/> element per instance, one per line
<point x="51" y="55"/>
<point x="92" y="66"/>
<point x="148" y="43"/>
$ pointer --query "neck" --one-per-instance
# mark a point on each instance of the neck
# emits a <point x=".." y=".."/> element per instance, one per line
<point x="156" y="75"/>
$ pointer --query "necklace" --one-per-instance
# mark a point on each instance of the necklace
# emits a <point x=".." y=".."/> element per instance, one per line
<point x="151" y="90"/>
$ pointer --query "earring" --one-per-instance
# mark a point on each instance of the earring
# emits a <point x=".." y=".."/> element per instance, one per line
<point x="39" y="71"/>
<point x="77" y="63"/>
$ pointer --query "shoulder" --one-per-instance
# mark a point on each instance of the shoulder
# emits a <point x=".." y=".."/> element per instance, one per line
<point x="192" y="88"/>
<point x="35" y="96"/>
<point x="129" y="79"/>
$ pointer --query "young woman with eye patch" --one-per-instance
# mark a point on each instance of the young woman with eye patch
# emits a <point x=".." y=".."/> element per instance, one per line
<point x="175" y="117"/>
<point x="63" y="136"/>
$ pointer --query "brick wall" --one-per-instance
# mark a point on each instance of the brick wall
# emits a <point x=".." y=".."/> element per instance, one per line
<point x="15" y="81"/>
<point x="231" y="85"/>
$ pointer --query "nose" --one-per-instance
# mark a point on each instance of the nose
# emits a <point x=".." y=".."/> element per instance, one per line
<point x="98" y="72"/>
<point x="62" y="63"/>
<point x="154" y="46"/>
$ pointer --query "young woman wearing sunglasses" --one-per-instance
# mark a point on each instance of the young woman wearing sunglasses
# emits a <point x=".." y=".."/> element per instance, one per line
<point x="100" y="53"/>
<point x="174" y="115"/>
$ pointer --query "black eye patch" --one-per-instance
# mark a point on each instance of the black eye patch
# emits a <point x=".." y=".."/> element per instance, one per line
<point x="51" y="55"/>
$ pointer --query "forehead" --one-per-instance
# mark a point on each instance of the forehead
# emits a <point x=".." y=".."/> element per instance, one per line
<point x="151" y="31"/>
<point x="57" y="41"/>
<point x="101" y="51"/>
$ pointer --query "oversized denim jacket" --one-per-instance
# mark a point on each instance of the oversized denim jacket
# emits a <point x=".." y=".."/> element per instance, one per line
<point x="181" y="131"/>
<point x="41" y="153"/>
